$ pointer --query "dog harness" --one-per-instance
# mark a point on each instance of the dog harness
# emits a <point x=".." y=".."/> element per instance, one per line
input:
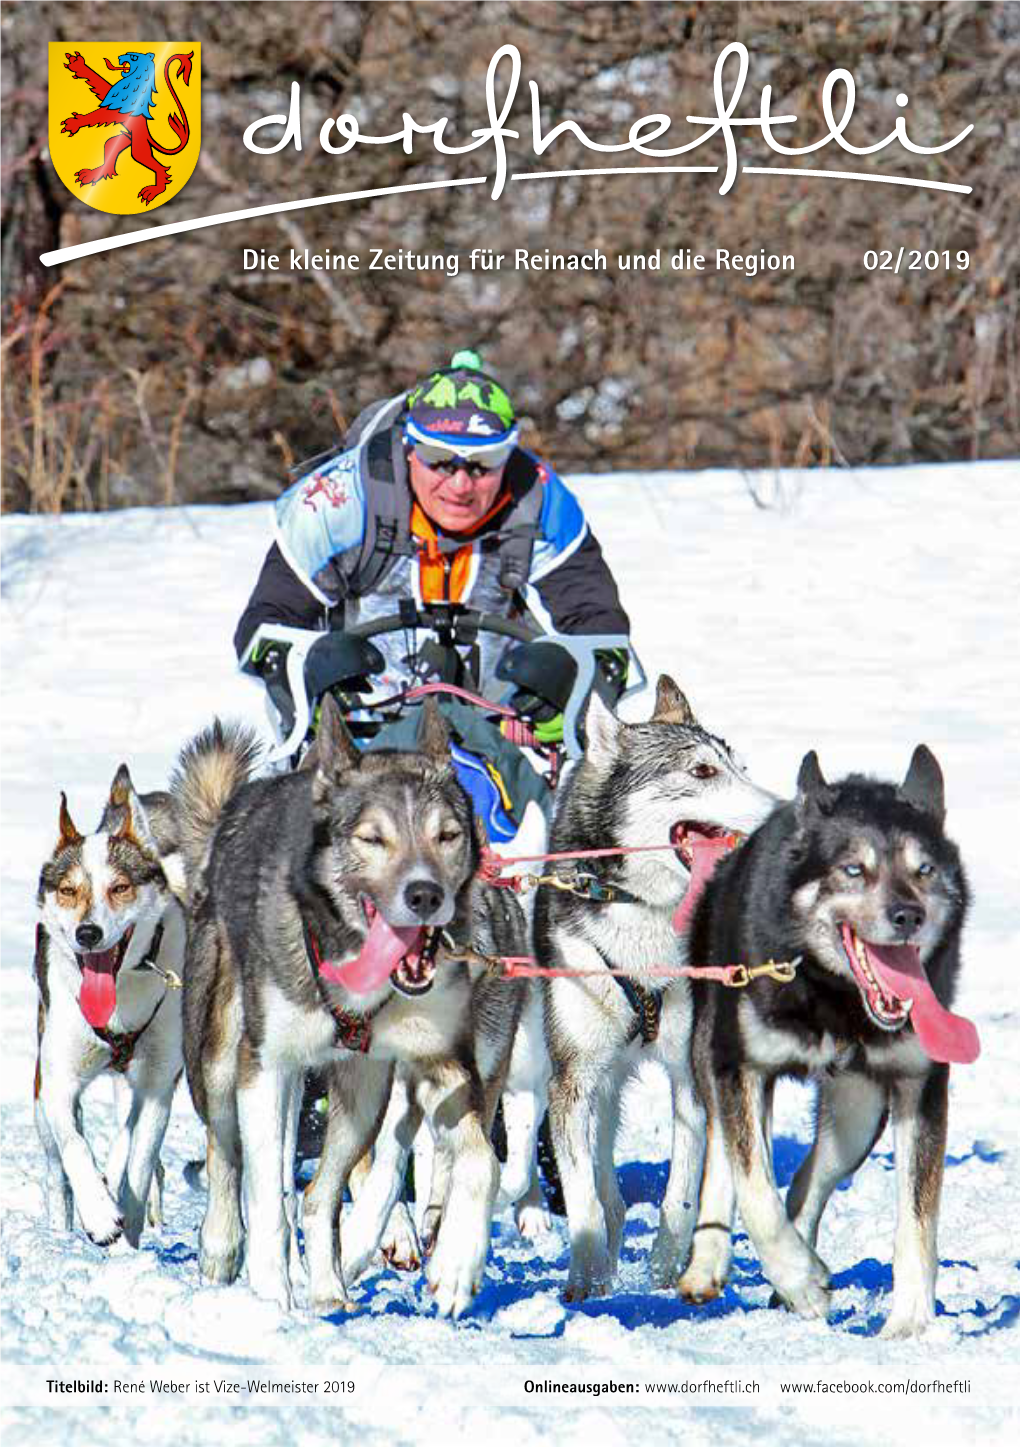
<point x="351" y="1030"/>
<point x="646" y="1004"/>
<point x="123" y="1043"/>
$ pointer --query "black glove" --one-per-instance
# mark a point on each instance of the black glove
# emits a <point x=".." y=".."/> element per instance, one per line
<point x="611" y="668"/>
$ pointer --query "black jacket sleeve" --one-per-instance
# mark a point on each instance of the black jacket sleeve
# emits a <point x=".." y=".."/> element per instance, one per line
<point x="581" y="595"/>
<point x="279" y="596"/>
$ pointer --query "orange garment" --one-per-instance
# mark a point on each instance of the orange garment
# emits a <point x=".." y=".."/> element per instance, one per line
<point x="443" y="577"/>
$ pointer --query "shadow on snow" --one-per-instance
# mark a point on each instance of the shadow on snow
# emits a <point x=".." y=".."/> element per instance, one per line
<point x="513" y="1279"/>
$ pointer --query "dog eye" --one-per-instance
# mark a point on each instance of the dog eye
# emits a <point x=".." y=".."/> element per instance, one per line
<point x="121" y="887"/>
<point x="371" y="841"/>
<point x="854" y="871"/>
<point x="449" y="836"/>
<point x="926" y="870"/>
<point x="67" y="891"/>
<point x="704" y="771"/>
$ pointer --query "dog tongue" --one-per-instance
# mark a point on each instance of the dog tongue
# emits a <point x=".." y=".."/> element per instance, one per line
<point x="98" y="998"/>
<point x="944" y="1036"/>
<point x="384" y="948"/>
<point x="706" y="855"/>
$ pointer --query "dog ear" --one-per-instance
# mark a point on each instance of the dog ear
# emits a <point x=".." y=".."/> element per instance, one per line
<point x="924" y="786"/>
<point x="670" y="704"/>
<point x="124" y="816"/>
<point x="601" y="729"/>
<point x="68" y="833"/>
<point x="333" y="751"/>
<point x="812" y="790"/>
<point x="434" y="733"/>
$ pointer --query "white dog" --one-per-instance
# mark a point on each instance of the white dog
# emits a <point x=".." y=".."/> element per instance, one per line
<point x="109" y="951"/>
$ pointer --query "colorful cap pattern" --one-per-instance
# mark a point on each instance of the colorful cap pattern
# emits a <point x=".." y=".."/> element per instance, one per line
<point x="460" y="407"/>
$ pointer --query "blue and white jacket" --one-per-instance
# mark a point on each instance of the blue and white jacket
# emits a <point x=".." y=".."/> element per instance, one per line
<point x="344" y="542"/>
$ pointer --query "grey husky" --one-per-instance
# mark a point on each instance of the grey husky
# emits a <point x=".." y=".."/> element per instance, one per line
<point x="315" y="941"/>
<point x="859" y="880"/>
<point x="667" y="782"/>
<point x="110" y="937"/>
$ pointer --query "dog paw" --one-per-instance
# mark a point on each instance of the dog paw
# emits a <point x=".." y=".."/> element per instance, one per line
<point x="399" y="1244"/>
<point x="328" y="1305"/>
<point x="220" y="1265"/>
<point x="101" y="1218"/>
<point x="708" y="1268"/>
<point x="430" y="1224"/>
<point x="533" y="1221"/>
<point x="802" y="1284"/>
<point x="664" y="1262"/>
<point x="107" y="1236"/>
<point x="328" y="1294"/>
<point x="912" y="1320"/>
<point x="577" y="1291"/>
<point x="699" y="1287"/>
<point x="454" y="1278"/>
<point x="810" y="1301"/>
<point x="591" y="1269"/>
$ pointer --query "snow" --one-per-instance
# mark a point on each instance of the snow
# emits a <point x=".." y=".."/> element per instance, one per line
<point x="856" y="612"/>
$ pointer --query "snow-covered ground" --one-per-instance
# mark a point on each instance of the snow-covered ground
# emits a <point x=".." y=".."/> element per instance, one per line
<point x="858" y="613"/>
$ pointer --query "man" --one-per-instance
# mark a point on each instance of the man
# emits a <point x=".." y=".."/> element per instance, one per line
<point x="432" y="500"/>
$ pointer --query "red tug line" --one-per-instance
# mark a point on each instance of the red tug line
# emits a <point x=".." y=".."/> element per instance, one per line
<point x="527" y="966"/>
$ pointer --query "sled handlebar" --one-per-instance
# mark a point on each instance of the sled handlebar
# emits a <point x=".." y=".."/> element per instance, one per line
<point x="456" y="625"/>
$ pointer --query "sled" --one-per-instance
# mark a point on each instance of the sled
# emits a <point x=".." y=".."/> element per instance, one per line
<point x="306" y="663"/>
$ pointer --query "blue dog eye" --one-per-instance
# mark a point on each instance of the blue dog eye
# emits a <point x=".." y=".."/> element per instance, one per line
<point x="926" y="869"/>
<point x="853" y="870"/>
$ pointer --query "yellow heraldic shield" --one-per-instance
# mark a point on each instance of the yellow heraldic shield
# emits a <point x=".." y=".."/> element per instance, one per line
<point x="125" y="121"/>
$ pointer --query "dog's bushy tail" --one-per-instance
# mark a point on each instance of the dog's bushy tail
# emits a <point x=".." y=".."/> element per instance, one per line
<point x="209" y="769"/>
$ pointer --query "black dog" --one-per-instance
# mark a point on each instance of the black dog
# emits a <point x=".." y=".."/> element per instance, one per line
<point x="859" y="881"/>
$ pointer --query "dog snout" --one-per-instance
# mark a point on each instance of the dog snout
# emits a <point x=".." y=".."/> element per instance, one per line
<point x="906" y="917"/>
<point x="88" y="936"/>
<point x="423" y="897"/>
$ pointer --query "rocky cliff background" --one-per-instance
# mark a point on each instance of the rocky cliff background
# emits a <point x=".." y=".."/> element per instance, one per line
<point x="164" y="373"/>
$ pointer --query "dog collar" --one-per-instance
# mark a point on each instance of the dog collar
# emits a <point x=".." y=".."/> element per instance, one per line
<point x="351" y="1030"/>
<point x="123" y="1043"/>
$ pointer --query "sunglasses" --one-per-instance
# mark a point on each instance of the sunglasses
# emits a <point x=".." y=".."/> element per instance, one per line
<point x="446" y="463"/>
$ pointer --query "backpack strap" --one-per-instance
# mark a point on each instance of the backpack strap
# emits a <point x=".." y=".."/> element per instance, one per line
<point x="516" y="542"/>
<point x="387" y="533"/>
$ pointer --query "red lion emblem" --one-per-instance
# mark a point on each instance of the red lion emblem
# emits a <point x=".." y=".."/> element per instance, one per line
<point x="129" y="100"/>
<point x="320" y="484"/>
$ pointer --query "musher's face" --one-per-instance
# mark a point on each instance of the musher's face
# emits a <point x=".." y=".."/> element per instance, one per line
<point x="454" y="501"/>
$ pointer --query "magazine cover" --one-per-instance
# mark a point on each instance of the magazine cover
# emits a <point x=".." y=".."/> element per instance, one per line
<point x="510" y="762"/>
